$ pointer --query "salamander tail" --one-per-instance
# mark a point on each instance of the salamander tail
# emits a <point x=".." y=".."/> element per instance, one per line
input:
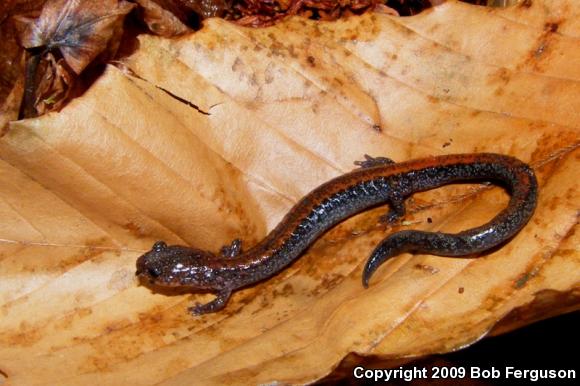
<point x="389" y="247"/>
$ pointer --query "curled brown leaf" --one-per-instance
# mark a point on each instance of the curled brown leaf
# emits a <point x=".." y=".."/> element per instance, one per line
<point x="79" y="30"/>
<point x="161" y="21"/>
<point x="210" y="8"/>
<point x="71" y="30"/>
<point x="11" y="74"/>
<point x="54" y="86"/>
<point x="12" y="57"/>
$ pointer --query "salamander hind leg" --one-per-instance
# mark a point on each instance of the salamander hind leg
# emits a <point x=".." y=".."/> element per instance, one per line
<point x="215" y="305"/>
<point x="397" y="211"/>
<point x="232" y="250"/>
<point x="370" y="162"/>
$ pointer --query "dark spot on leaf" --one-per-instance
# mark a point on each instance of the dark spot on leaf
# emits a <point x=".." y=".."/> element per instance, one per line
<point x="427" y="268"/>
<point x="551" y="27"/>
<point x="522" y="280"/>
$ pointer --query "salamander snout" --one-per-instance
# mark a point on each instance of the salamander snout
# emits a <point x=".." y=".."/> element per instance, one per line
<point x="150" y="266"/>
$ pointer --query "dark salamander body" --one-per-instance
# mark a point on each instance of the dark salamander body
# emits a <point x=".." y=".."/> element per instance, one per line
<point x="377" y="181"/>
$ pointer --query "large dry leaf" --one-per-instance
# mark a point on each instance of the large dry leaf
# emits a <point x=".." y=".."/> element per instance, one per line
<point x="215" y="135"/>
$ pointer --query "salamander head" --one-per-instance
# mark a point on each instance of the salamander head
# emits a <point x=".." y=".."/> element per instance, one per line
<point x="174" y="265"/>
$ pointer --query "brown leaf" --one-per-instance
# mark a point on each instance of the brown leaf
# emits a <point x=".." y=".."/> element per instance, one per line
<point x="209" y="8"/>
<point x="220" y="132"/>
<point x="11" y="104"/>
<point x="80" y="30"/>
<point x="54" y="86"/>
<point x="76" y="30"/>
<point x="259" y="13"/>
<point x="12" y="59"/>
<point x="172" y="17"/>
<point x="162" y="21"/>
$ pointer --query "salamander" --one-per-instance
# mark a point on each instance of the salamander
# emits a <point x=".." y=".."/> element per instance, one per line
<point x="377" y="181"/>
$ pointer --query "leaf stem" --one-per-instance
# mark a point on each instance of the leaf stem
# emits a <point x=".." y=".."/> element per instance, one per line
<point x="30" y="84"/>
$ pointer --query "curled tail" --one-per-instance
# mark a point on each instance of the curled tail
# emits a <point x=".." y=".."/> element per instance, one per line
<point x="520" y="182"/>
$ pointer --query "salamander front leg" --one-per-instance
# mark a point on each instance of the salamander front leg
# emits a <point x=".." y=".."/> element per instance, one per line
<point x="215" y="305"/>
<point x="232" y="250"/>
<point x="370" y="162"/>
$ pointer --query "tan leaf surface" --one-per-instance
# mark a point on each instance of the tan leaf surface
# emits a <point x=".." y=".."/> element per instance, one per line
<point x="216" y="134"/>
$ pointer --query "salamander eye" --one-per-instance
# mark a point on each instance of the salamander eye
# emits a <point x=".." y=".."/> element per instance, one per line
<point x="154" y="272"/>
<point x="159" y="246"/>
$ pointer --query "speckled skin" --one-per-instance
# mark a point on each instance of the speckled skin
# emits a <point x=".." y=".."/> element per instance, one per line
<point x="377" y="181"/>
